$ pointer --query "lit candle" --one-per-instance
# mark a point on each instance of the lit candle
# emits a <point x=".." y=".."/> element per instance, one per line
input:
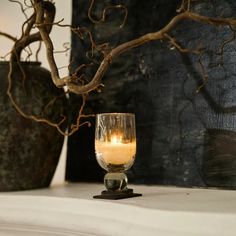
<point x="116" y="152"/>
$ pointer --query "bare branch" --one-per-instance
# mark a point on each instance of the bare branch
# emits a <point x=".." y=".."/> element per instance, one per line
<point x="20" y="45"/>
<point x="173" y="41"/>
<point x="21" y="6"/>
<point x="8" y="36"/>
<point x="204" y="74"/>
<point x="66" y="47"/>
<point x="75" y="127"/>
<point x="227" y="41"/>
<point x="39" y="8"/>
<point x="96" y="80"/>
<point x="104" y="13"/>
<point x="77" y="82"/>
<point x="27" y="39"/>
<point x="37" y="51"/>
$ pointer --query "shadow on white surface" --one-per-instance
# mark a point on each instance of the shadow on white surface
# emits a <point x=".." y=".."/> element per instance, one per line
<point x="37" y="215"/>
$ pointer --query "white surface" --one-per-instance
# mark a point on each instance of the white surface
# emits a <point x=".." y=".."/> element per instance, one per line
<point x="165" y="211"/>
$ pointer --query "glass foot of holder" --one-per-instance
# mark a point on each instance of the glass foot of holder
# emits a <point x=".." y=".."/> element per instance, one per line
<point x="116" y="185"/>
<point x="115" y="195"/>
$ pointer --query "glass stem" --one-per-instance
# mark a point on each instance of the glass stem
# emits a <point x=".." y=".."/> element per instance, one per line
<point x="116" y="181"/>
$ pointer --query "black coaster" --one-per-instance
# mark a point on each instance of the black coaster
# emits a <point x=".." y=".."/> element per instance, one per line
<point x="115" y="195"/>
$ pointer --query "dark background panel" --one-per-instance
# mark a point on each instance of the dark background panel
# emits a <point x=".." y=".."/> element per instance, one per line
<point x="181" y="133"/>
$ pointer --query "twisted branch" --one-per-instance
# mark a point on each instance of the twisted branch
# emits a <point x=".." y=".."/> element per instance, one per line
<point x="120" y="49"/>
<point x="43" y="19"/>
<point x="104" y="13"/>
<point x="8" y="36"/>
<point x="25" y="40"/>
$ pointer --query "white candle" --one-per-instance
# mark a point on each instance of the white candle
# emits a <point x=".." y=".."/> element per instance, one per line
<point x="115" y="152"/>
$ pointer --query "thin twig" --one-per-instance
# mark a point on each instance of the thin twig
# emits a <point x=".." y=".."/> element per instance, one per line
<point x="104" y="13"/>
<point x="8" y="36"/>
<point x="180" y="48"/>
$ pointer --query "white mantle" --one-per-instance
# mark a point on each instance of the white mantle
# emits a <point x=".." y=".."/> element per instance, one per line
<point x="164" y="211"/>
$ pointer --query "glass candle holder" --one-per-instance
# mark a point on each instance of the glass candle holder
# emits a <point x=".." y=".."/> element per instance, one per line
<point x="115" y="146"/>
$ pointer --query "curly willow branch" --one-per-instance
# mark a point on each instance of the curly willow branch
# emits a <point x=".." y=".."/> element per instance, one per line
<point x="43" y="19"/>
<point x="25" y="40"/>
<point x="104" y="13"/>
<point x="115" y="52"/>
<point x="8" y="36"/>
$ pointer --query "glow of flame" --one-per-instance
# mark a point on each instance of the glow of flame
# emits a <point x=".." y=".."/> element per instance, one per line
<point x="116" y="139"/>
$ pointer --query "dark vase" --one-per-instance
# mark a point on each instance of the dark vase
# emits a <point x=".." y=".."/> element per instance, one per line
<point x="29" y="151"/>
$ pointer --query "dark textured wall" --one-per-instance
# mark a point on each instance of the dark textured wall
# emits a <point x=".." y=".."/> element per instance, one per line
<point x="184" y="138"/>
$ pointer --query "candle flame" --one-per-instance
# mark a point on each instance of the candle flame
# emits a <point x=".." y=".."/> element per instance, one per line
<point x="116" y="139"/>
